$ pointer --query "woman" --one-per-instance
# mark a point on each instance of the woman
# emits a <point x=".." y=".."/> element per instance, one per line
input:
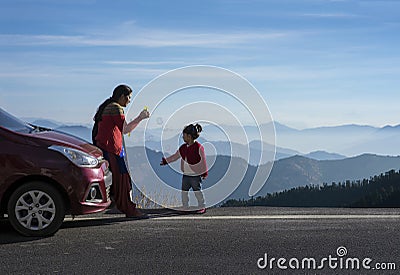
<point x="109" y="127"/>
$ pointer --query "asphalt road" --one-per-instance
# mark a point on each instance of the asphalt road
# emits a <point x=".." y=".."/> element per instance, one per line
<point x="222" y="241"/>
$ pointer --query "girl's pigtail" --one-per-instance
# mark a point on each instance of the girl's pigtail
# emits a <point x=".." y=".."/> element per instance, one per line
<point x="198" y="128"/>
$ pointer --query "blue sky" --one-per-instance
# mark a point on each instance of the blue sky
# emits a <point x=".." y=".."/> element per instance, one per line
<point x="315" y="62"/>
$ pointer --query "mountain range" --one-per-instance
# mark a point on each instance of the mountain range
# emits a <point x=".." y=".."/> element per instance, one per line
<point x="325" y="162"/>
<point x="322" y="143"/>
<point x="348" y="140"/>
<point x="286" y="173"/>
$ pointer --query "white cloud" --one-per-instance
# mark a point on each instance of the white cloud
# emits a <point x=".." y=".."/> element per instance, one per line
<point x="140" y="37"/>
<point x="330" y="15"/>
<point x="40" y="40"/>
<point x="66" y="73"/>
<point x="143" y="63"/>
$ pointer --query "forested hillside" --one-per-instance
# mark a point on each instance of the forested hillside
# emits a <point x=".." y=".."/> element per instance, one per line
<point x="378" y="191"/>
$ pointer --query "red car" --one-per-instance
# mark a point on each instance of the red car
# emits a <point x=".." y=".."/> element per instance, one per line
<point x="45" y="174"/>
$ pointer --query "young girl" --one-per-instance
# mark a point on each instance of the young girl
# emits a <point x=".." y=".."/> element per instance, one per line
<point x="193" y="165"/>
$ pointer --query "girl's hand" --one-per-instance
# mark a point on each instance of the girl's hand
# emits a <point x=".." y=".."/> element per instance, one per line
<point x="163" y="162"/>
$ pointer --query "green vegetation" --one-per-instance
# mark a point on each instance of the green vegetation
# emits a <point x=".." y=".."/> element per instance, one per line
<point x="378" y="191"/>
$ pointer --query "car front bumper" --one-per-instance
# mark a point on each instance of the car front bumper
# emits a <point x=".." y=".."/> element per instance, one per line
<point x="95" y="197"/>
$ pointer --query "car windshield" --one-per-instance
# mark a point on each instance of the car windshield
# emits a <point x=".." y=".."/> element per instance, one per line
<point x="12" y="123"/>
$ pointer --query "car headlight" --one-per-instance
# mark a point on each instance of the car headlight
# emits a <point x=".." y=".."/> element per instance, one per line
<point x="77" y="157"/>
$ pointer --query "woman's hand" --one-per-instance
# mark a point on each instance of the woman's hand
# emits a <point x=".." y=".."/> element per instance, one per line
<point x="128" y="127"/>
<point x="144" y="114"/>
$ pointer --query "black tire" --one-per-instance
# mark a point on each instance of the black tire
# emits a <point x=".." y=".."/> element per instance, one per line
<point x="36" y="209"/>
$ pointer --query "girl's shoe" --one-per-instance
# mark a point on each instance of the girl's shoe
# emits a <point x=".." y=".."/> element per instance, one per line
<point x="201" y="211"/>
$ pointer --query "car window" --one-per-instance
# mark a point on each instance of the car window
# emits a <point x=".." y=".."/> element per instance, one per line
<point x="14" y="124"/>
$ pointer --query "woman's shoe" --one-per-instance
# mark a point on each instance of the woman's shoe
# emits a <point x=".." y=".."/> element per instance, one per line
<point x="137" y="215"/>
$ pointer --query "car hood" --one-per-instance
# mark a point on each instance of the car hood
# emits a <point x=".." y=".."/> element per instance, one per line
<point x="48" y="138"/>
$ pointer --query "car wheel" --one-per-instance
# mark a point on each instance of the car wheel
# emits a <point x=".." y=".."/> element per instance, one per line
<point x="36" y="209"/>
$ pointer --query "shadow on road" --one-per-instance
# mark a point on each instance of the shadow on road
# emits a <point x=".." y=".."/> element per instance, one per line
<point x="9" y="235"/>
<point x="93" y="222"/>
<point x="110" y="218"/>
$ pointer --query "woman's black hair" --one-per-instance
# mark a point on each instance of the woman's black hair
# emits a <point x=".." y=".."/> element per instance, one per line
<point x="119" y="91"/>
<point x="193" y="130"/>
